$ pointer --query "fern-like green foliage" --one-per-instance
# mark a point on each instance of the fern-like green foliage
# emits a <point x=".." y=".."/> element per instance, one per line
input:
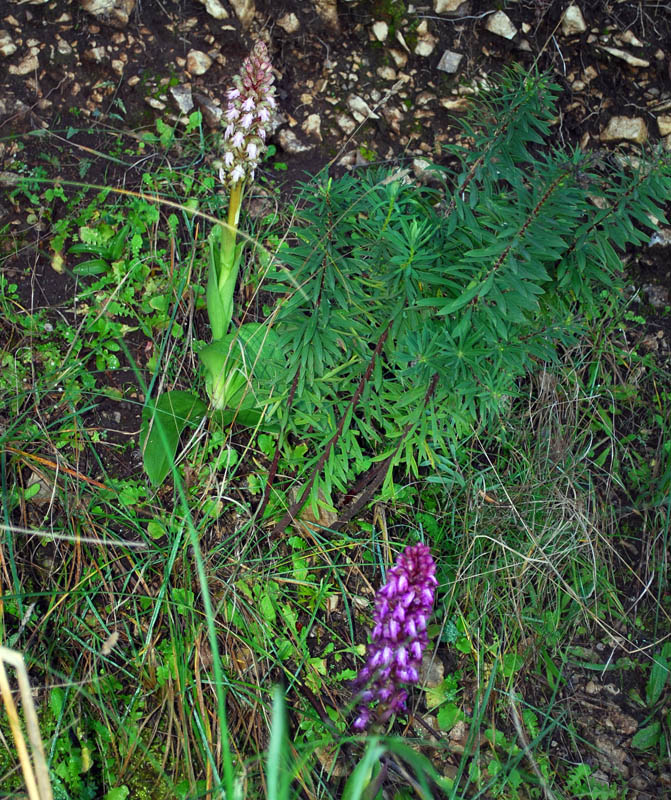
<point x="409" y="313"/>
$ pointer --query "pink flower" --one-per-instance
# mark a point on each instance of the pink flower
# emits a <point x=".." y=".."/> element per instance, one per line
<point x="248" y="116"/>
<point x="402" y="604"/>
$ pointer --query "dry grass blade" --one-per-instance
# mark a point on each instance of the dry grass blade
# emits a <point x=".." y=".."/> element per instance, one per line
<point x="37" y="778"/>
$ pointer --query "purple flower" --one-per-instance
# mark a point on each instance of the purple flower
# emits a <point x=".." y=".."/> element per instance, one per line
<point x="248" y="117"/>
<point x="402" y="608"/>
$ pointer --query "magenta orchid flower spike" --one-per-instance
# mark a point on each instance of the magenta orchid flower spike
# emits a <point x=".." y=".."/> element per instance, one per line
<point x="402" y="609"/>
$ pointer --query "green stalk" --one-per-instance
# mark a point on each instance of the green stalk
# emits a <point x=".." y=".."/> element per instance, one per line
<point x="224" y="267"/>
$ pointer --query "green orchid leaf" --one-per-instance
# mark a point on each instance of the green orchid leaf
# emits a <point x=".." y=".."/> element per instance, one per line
<point x="162" y="425"/>
<point x="242" y="370"/>
<point x="221" y="280"/>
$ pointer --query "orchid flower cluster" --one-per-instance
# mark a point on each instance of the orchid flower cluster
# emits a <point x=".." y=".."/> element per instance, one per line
<point x="248" y="121"/>
<point x="249" y="116"/>
<point x="402" y="609"/>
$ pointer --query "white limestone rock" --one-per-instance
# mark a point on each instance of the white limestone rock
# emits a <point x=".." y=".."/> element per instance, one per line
<point x="312" y="126"/>
<point x="500" y="24"/>
<point x="211" y="112"/>
<point x="450" y="61"/>
<point x="630" y="129"/>
<point x="244" y="11"/>
<point x="448" y="7"/>
<point x="197" y="62"/>
<point x="360" y="108"/>
<point x="290" y="143"/>
<point x="386" y="73"/>
<point x="633" y="61"/>
<point x="380" y="30"/>
<point x="182" y="97"/>
<point x="426" y="41"/>
<point x="214" y="8"/>
<point x="664" y="124"/>
<point x="400" y="58"/>
<point x="327" y="10"/>
<point x="346" y="124"/>
<point x="115" y="13"/>
<point x="289" y="23"/>
<point x="573" y="22"/>
<point x="7" y="46"/>
<point x="27" y="65"/>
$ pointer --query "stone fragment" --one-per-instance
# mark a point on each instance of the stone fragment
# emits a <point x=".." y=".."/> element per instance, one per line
<point x="115" y="13"/>
<point x="424" y="170"/>
<point x="327" y="11"/>
<point x="380" y="30"/>
<point x="573" y="22"/>
<point x="346" y="124"/>
<point x="628" y="37"/>
<point x="117" y="66"/>
<point x="9" y="179"/>
<point x="386" y="73"/>
<point x="7" y="46"/>
<point x="289" y="23"/>
<point x="313" y="126"/>
<point x="631" y="129"/>
<point x="664" y="124"/>
<point x="400" y="58"/>
<point x="197" y="62"/>
<point x="393" y="117"/>
<point x="63" y="48"/>
<point x="154" y="102"/>
<point x="95" y="54"/>
<point x="182" y="97"/>
<point x="450" y="61"/>
<point x="212" y="114"/>
<point x="448" y="7"/>
<point x="426" y="41"/>
<point x="244" y="11"/>
<point x="290" y="143"/>
<point x="500" y="25"/>
<point x="431" y="671"/>
<point x="455" y="103"/>
<point x="657" y="296"/>
<point x="214" y="8"/>
<point x="634" y="61"/>
<point x="27" y="65"/>
<point x="424" y="98"/>
<point x="360" y="108"/>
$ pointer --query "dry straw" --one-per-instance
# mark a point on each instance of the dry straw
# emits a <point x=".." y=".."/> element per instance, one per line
<point x="35" y="771"/>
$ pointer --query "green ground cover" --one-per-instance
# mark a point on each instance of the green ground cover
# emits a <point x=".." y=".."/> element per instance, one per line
<point x="460" y="364"/>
